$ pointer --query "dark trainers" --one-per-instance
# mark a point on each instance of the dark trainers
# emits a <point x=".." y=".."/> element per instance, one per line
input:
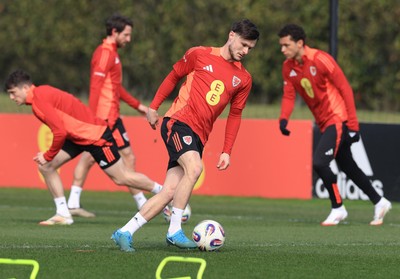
<point x="123" y="240"/>
<point x="180" y="240"/>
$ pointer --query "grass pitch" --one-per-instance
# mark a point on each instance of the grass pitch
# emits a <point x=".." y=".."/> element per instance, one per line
<point x="264" y="239"/>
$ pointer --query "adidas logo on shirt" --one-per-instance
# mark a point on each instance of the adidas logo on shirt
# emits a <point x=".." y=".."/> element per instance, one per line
<point x="208" y="68"/>
<point x="329" y="152"/>
<point x="292" y="74"/>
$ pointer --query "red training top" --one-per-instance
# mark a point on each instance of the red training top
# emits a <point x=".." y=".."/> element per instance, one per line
<point x="106" y="88"/>
<point x="211" y="83"/>
<point x="322" y="85"/>
<point x="66" y="116"/>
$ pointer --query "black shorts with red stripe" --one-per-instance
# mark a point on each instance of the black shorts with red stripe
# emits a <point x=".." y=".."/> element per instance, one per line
<point x="179" y="138"/>
<point x="120" y="135"/>
<point x="105" y="155"/>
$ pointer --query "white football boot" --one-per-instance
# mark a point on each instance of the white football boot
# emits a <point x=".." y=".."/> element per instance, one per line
<point x="336" y="215"/>
<point x="381" y="208"/>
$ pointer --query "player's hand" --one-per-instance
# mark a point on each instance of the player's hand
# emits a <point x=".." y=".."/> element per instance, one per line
<point x="152" y="118"/>
<point x="224" y="161"/>
<point x="354" y="136"/>
<point x="39" y="159"/>
<point x="282" y="126"/>
<point x="142" y="109"/>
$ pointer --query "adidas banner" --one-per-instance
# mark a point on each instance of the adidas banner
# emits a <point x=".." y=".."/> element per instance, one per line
<point x="377" y="154"/>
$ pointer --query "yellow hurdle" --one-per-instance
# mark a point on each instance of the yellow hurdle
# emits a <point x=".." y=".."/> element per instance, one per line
<point x="200" y="272"/>
<point x="34" y="263"/>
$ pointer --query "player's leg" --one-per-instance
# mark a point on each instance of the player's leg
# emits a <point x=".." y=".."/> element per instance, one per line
<point x="184" y="152"/>
<point x="192" y="167"/>
<point x="129" y="161"/>
<point x="108" y="158"/>
<point x="350" y="168"/>
<point x="170" y="131"/>
<point x="122" y="139"/>
<point x="323" y="155"/>
<point x="123" y="236"/>
<point x="123" y="176"/>
<point x="53" y="181"/>
<point x="80" y="173"/>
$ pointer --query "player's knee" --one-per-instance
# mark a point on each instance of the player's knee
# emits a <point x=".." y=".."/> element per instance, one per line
<point x="320" y="165"/>
<point x="129" y="160"/>
<point x="195" y="171"/>
<point x="91" y="162"/>
<point x="120" y="181"/>
<point x="45" y="169"/>
<point x="168" y="192"/>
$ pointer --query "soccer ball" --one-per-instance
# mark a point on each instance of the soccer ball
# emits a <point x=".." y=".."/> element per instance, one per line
<point x="209" y="235"/>
<point x="167" y="211"/>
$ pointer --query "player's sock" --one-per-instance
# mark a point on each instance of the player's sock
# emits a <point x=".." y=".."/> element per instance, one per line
<point x="74" y="197"/>
<point x="134" y="224"/>
<point x="157" y="188"/>
<point x="140" y="200"/>
<point x="176" y="220"/>
<point x="61" y="205"/>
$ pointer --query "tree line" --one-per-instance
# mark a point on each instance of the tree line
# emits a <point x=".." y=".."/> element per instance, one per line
<point x="54" y="41"/>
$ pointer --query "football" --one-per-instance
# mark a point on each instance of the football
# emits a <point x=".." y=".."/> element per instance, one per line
<point x="167" y="211"/>
<point x="209" y="235"/>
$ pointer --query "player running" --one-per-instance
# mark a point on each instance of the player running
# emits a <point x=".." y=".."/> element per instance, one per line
<point x="319" y="80"/>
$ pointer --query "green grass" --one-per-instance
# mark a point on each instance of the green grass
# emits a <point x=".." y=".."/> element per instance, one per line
<point x="252" y="110"/>
<point x="264" y="239"/>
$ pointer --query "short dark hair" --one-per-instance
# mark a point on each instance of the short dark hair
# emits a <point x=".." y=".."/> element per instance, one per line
<point x="117" y="22"/>
<point x="246" y="29"/>
<point x="17" y="78"/>
<point x="295" y="31"/>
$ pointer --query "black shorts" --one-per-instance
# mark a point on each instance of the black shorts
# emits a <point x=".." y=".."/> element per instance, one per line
<point x="105" y="155"/>
<point x="120" y="135"/>
<point x="179" y="138"/>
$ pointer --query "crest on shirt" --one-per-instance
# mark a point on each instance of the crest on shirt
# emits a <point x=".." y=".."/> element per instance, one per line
<point x="313" y="71"/>
<point x="116" y="60"/>
<point x="187" y="140"/>
<point x="236" y="81"/>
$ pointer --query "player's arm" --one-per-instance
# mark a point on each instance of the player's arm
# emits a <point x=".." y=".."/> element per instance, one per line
<point x="180" y="69"/>
<point x="49" y="116"/>
<point x="165" y="89"/>
<point x="287" y="104"/>
<point x="233" y="122"/>
<point x="339" y="80"/>
<point x="132" y="101"/>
